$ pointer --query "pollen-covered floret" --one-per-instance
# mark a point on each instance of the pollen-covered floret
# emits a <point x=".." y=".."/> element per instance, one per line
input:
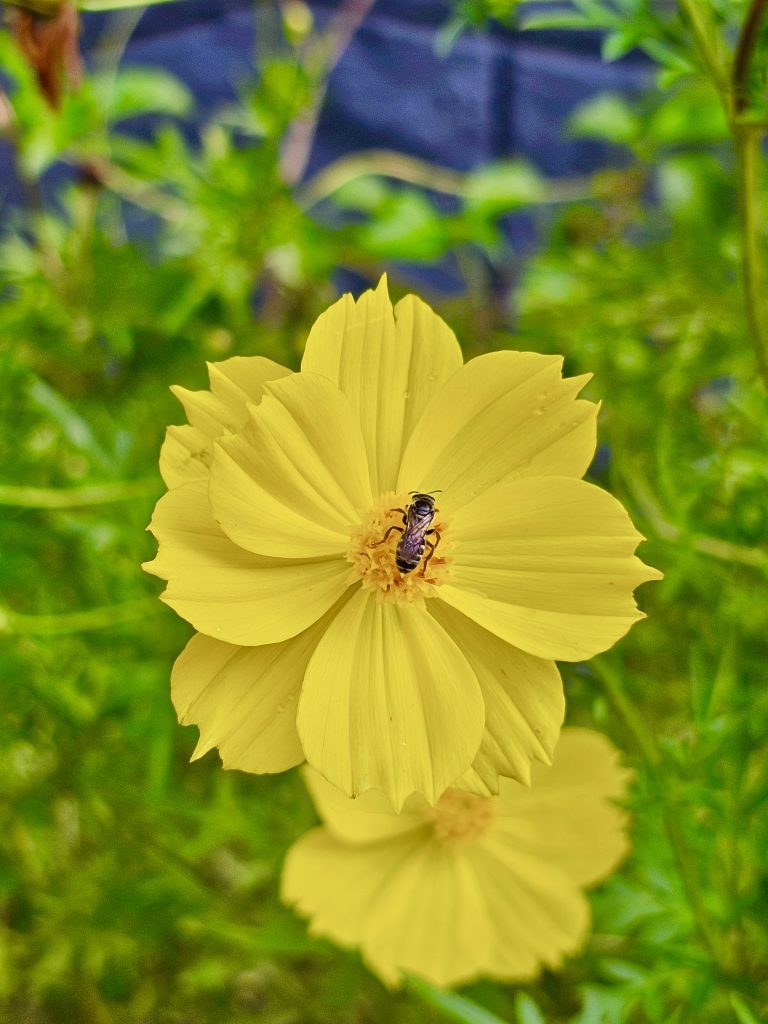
<point x="372" y="554"/>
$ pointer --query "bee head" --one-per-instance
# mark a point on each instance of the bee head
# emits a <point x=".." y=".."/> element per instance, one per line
<point x="423" y="502"/>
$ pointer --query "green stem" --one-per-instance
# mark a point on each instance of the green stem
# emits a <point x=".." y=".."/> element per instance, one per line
<point x="639" y="490"/>
<point x="686" y="863"/>
<point x="745" y="47"/>
<point x="76" y="622"/>
<point x="733" y="90"/>
<point x="624" y="705"/>
<point x="77" y="497"/>
<point x="747" y="141"/>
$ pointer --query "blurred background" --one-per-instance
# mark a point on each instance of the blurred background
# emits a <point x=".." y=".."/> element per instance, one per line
<point x="191" y="181"/>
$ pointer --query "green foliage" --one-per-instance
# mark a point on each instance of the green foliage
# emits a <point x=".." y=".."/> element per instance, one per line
<point x="139" y="889"/>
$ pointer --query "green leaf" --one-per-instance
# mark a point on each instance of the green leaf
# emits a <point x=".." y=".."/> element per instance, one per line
<point x="527" y="1010"/>
<point x="451" y="1005"/>
<point x="743" y="1013"/>
<point x="407" y="227"/>
<point x="148" y="90"/>
<point x="608" y="117"/>
<point x="617" y="44"/>
<point x="502" y="187"/>
<point x="555" y="20"/>
<point x="601" y="1006"/>
<point x="366" y="193"/>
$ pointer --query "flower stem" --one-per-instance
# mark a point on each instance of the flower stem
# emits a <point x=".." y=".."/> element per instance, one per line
<point x="747" y="140"/>
<point x="733" y="89"/>
<point x="77" y="497"/>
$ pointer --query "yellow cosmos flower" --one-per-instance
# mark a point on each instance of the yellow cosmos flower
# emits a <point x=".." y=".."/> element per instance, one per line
<point x="279" y="538"/>
<point x="472" y="886"/>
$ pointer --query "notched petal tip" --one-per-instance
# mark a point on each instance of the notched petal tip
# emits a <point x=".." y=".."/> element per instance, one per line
<point x="201" y="749"/>
<point x="382" y="285"/>
<point x="579" y="382"/>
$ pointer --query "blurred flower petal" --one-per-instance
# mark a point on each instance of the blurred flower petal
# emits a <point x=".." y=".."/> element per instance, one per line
<point x="475" y="885"/>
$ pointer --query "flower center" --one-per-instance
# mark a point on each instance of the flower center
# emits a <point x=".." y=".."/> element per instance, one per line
<point x="401" y="561"/>
<point x="460" y="815"/>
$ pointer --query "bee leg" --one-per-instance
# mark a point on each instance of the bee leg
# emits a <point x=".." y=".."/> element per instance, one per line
<point x="405" y="517"/>
<point x="432" y="548"/>
<point x="399" y="530"/>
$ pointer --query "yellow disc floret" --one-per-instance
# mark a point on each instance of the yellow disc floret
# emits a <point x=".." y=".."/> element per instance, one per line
<point x="372" y="553"/>
<point x="460" y="815"/>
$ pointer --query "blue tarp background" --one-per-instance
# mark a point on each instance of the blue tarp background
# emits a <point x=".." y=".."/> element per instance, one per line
<point x="496" y="94"/>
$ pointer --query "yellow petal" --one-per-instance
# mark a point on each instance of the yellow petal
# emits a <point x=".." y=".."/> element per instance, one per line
<point x="228" y="593"/>
<point x="244" y="698"/>
<point x="294" y="480"/>
<point x="453" y="912"/>
<point x="429" y="918"/>
<point x="333" y="883"/>
<point x="366" y="819"/>
<point x="568" y="816"/>
<point x="547" y="565"/>
<point x="185" y="455"/>
<point x="524" y="703"/>
<point x="537" y="914"/>
<point x="235" y="382"/>
<point x="505" y="902"/>
<point x="504" y="415"/>
<point x="389" y="702"/>
<point x="388" y="363"/>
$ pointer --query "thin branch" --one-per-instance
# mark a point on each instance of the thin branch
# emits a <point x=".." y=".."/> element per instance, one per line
<point x="301" y="133"/>
<point x="388" y="163"/>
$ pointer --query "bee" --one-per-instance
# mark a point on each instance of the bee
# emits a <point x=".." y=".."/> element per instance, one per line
<point x="417" y="520"/>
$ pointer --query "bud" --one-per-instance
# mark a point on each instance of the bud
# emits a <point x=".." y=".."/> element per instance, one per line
<point x="298" y="21"/>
